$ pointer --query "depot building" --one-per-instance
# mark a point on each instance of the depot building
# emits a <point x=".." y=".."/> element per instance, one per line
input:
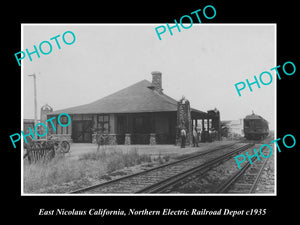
<point x="139" y="114"/>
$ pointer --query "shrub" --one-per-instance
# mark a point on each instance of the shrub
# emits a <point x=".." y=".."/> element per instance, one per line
<point x="61" y="169"/>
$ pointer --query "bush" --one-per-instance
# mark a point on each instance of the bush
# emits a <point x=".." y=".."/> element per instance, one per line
<point x="61" y="170"/>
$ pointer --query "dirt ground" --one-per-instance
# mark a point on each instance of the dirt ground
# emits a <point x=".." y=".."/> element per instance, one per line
<point x="81" y="168"/>
<point x="78" y="149"/>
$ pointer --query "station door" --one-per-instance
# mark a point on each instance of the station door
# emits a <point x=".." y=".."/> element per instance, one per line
<point x="82" y="131"/>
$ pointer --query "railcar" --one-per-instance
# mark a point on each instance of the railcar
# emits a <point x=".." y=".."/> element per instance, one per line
<point x="255" y="127"/>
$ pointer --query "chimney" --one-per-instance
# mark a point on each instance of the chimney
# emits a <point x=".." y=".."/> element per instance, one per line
<point x="156" y="81"/>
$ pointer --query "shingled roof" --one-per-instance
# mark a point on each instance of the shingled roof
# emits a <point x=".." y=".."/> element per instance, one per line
<point x="139" y="97"/>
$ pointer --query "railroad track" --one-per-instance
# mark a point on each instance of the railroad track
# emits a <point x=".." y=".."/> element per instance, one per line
<point x="246" y="179"/>
<point x="158" y="179"/>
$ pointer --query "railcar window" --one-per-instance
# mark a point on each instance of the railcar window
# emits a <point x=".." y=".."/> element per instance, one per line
<point x="247" y="124"/>
<point x="258" y="123"/>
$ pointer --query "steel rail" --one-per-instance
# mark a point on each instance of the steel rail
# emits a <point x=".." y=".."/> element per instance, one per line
<point x="165" y="184"/>
<point x="92" y="187"/>
<point x="254" y="185"/>
<point x="223" y="188"/>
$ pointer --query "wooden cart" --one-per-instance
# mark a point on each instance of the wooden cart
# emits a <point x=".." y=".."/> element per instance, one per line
<point x="45" y="148"/>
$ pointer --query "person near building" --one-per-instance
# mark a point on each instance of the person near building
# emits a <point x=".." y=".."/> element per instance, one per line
<point x="199" y="135"/>
<point x="195" y="138"/>
<point x="203" y="135"/>
<point x="183" y="137"/>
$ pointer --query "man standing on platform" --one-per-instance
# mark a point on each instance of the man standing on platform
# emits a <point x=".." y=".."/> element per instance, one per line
<point x="199" y="136"/>
<point x="195" y="138"/>
<point x="183" y="137"/>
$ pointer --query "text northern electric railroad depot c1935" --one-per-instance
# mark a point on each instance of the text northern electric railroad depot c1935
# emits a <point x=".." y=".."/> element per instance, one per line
<point x="148" y="212"/>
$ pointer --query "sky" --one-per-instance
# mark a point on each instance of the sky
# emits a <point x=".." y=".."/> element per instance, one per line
<point x="202" y="63"/>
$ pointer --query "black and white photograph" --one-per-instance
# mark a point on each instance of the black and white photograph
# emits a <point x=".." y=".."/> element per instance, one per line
<point x="148" y="116"/>
<point x="151" y="112"/>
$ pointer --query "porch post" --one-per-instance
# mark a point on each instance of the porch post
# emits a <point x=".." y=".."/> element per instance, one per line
<point x="127" y="139"/>
<point x="152" y="139"/>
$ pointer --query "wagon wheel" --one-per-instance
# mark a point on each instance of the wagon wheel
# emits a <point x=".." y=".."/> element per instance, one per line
<point x="64" y="147"/>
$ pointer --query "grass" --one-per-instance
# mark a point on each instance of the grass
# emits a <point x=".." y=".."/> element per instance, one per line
<point x="60" y="170"/>
<point x="115" y="160"/>
<point x="65" y="173"/>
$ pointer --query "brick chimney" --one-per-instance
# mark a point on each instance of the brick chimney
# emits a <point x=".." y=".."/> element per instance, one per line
<point x="156" y="81"/>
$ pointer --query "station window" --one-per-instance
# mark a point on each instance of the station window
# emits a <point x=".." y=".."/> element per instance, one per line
<point x="64" y="120"/>
<point x="103" y="123"/>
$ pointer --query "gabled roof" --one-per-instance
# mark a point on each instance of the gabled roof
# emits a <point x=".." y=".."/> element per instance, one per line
<point x="133" y="99"/>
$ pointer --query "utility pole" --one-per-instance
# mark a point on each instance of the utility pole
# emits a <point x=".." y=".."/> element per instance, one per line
<point x="35" y="98"/>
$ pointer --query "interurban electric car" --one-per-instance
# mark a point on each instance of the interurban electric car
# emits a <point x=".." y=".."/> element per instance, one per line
<point x="255" y="127"/>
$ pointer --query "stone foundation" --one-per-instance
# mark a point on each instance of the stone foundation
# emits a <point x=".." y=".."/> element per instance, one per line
<point x="127" y="139"/>
<point x="94" y="139"/>
<point x="111" y="139"/>
<point x="152" y="140"/>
